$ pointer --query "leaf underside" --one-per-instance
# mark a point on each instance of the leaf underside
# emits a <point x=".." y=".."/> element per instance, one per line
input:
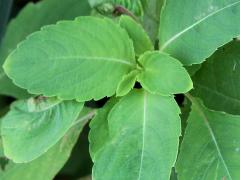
<point x="28" y="132"/>
<point x="48" y="164"/>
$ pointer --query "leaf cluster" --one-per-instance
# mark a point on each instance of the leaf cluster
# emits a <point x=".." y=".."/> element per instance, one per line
<point x="140" y="55"/>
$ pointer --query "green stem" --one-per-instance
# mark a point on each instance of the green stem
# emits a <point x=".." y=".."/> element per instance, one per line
<point x="122" y="10"/>
<point x="189" y="96"/>
<point x="85" y="118"/>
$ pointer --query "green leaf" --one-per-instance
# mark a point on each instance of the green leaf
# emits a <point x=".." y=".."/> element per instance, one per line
<point x="94" y="3"/>
<point x="73" y="59"/>
<point x="143" y="140"/>
<point x="152" y="17"/>
<point x="141" y="41"/>
<point x="30" y="130"/>
<point x="127" y="83"/>
<point x="98" y="134"/>
<point x="8" y="88"/>
<point x="31" y="19"/>
<point x="217" y="83"/>
<point x="163" y="74"/>
<point x="46" y="166"/>
<point x="79" y="163"/>
<point x="193" y="68"/>
<point x="211" y="146"/>
<point x="1" y="146"/>
<point x="192" y="30"/>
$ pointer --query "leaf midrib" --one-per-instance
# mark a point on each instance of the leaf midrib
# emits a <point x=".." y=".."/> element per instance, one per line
<point x="143" y="133"/>
<point x="110" y="59"/>
<point x="2" y="74"/>
<point x="218" y="93"/>
<point x="206" y="122"/>
<point x="176" y="36"/>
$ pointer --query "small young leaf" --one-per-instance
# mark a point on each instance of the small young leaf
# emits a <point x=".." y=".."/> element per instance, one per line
<point x="163" y="74"/>
<point x="218" y="81"/>
<point x="143" y="138"/>
<point x="127" y="83"/>
<point x="83" y="59"/>
<point x="98" y="134"/>
<point x="141" y="41"/>
<point x="211" y="145"/>
<point x="192" y="30"/>
<point x="28" y="131"/>
<point x="48" y="165"/>
<point x="31" y="18"/>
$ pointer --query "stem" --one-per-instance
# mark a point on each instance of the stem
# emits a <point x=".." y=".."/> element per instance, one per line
<point x="119" y="10"/>
<point x="85" y="118"/>
<point x="189" y="96"/>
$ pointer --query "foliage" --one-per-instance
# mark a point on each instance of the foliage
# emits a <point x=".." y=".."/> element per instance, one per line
<point x="135" y="56"/>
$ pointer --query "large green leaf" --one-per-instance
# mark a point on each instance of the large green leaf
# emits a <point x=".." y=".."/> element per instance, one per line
<point x="29" y="20"/>
<point x="141" y="41"/>
<point x="192" y="30"/>
<point x="211" y="146"/>
<point x="218" y="81"/>
<point x="33" y="126"/>
<point x="143" y="138"/>
<point x="163" y="74"/>
<point x="46" y="166"/>
<point x="98" y="134"/>
<point x="82" y="59"/>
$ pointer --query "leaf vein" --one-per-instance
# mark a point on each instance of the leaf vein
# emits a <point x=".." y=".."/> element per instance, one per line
<point x="143" y="135"/>
<point x="211" y="132"/>
<point x="218" y="93"/>
<point x="94" y="58"/>
<point x="176" y="36"/>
